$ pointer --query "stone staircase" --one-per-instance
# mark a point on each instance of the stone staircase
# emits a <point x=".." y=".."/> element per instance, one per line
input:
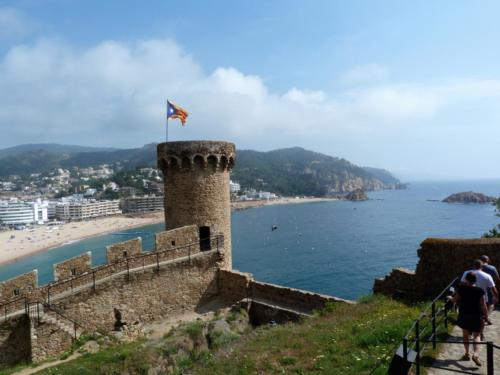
<point x="50" y="316"/>
<point x="63" y="324"/>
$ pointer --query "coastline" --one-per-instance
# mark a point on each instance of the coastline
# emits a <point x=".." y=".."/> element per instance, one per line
<point x="244" y="205"/>
<point x="43" y="238"/>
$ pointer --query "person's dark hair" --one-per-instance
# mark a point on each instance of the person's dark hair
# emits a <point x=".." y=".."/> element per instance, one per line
<point x="478" y="264"/>
<point x="485" y="258"/>
<point x="471" y="277"/>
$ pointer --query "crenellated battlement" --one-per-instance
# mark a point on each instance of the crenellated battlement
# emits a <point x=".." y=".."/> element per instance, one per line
<point x="192" y="155"/>
<point x="77" y="272"/>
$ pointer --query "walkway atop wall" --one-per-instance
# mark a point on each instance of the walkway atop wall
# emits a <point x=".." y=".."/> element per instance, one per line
<point x="449" y="357"/>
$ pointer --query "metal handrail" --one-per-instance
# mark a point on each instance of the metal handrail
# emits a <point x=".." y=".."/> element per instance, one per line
<point x="54" y="309"/>
<point x="215" y="241"/>
<point x="5" y="305"/>
<point x="423" y="314"/>
<point x="417" y="332"/>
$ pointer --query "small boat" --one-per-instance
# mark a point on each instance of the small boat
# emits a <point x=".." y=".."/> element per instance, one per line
<point x="274" y="227"/>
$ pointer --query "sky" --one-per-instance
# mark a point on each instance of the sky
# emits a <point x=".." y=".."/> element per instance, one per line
<point x="413" y="87"/>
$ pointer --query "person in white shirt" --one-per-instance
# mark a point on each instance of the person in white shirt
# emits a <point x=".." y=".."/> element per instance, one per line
<point x="484" y="281"/>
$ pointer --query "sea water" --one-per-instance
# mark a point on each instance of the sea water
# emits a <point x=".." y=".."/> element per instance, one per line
<point x="333" y="247"/>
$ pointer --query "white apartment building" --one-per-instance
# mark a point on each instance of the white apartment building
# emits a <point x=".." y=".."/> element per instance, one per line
<point x="16" y="212"/>
<point x="234" y="187"/>
<point x="85" y="209"/>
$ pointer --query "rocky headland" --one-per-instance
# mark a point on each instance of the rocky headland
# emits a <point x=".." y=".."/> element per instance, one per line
<point x="469" y="197"/>
<point x="356" y="195"/>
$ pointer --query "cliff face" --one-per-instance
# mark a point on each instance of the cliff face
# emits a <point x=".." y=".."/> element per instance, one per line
<point x="295" y="171"/>
<point x="469" y="197"/>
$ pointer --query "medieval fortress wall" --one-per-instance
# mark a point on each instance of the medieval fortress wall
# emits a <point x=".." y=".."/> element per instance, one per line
<point x="440" y="261"/>
<point x="189" y="267"/>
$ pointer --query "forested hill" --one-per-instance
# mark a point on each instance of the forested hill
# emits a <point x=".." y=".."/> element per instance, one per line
<point x="291" y="171"/>
<point x="296" y="171"/>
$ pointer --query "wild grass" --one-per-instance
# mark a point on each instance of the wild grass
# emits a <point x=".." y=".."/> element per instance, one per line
<point x="341" y="339"/>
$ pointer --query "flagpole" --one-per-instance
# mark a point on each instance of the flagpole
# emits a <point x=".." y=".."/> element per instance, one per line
<point x="166" y="131"/>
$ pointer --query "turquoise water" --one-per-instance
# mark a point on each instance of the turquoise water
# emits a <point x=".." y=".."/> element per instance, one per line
<point x="336" y="248"/>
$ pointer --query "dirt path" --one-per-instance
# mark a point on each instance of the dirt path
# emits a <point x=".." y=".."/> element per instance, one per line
<point x="34" y="370"/>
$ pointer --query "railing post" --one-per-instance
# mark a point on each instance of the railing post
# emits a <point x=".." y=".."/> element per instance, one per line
<point x="189" y="254"/>
<point x="128" y="271"/>
<point x="38" y="312"/>
<point x="48" y="294"/>
<point x="74" y="329"/>
<point x="93" y="280"/>
<point x="489" y="358"/>
<point x="158" y="262"/>
<point x="217" y="243"/>
<point x="433" y="325"/>
<point x="417" y="347"/>
<point x="446" y="316"/>
<point x="405" y="349"/>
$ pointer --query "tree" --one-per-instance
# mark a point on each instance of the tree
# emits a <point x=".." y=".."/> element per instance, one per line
<point x="495" y="231"/>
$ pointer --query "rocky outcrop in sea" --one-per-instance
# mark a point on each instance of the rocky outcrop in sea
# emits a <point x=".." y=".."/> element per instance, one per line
<point x="469" y="197"/>
<point x="357" y="195"/>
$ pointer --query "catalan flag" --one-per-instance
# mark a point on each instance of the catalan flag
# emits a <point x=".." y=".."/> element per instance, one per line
<point x="174" y="111"/>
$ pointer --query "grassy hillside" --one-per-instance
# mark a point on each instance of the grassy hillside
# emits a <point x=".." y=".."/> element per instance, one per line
<point x="342" y="339"/>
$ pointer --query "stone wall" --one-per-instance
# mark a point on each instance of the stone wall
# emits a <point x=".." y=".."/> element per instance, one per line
<point x="48" y="341"/>
<point x="15" y="341"/>
<point x="289" y="297"/>
<point x="440" y="261"/>
<point x="235" y="286"/>
<point x="18" y="286"/>
<point x="124" y="250"/>
<point x="147" y="295"/>
<point x="179" y="242"/>
<point x="73" y="267"/>
<point x="401" y="283"/>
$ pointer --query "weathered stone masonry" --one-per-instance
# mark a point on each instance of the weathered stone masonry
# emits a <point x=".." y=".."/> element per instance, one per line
<point x="190" y="266"/>
<point x="73" y="267"/>
<point x="440" y="261"/>
<point x="197" y="187"/>
<point x="19" y="286"/>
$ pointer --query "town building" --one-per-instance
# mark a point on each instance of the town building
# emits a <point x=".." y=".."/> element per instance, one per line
<point x="74" y="210"/>
<point x="15" y="212"/>
<point x="146" y="203"/>
<point x="234" y="187"/>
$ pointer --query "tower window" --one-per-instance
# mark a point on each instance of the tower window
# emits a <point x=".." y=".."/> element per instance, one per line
<point x="125" y="253"/>
<point x="205" y="239"/>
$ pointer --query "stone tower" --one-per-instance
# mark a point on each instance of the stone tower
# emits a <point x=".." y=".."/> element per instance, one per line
<point x="196" y="177"/>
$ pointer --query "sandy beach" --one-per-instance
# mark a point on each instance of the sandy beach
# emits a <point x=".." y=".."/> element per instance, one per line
<point x="16" y="244"/>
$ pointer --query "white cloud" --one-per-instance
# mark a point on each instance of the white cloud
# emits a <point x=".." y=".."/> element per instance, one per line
<point x="114" y="94"/>
<point x="13" y="23"/>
